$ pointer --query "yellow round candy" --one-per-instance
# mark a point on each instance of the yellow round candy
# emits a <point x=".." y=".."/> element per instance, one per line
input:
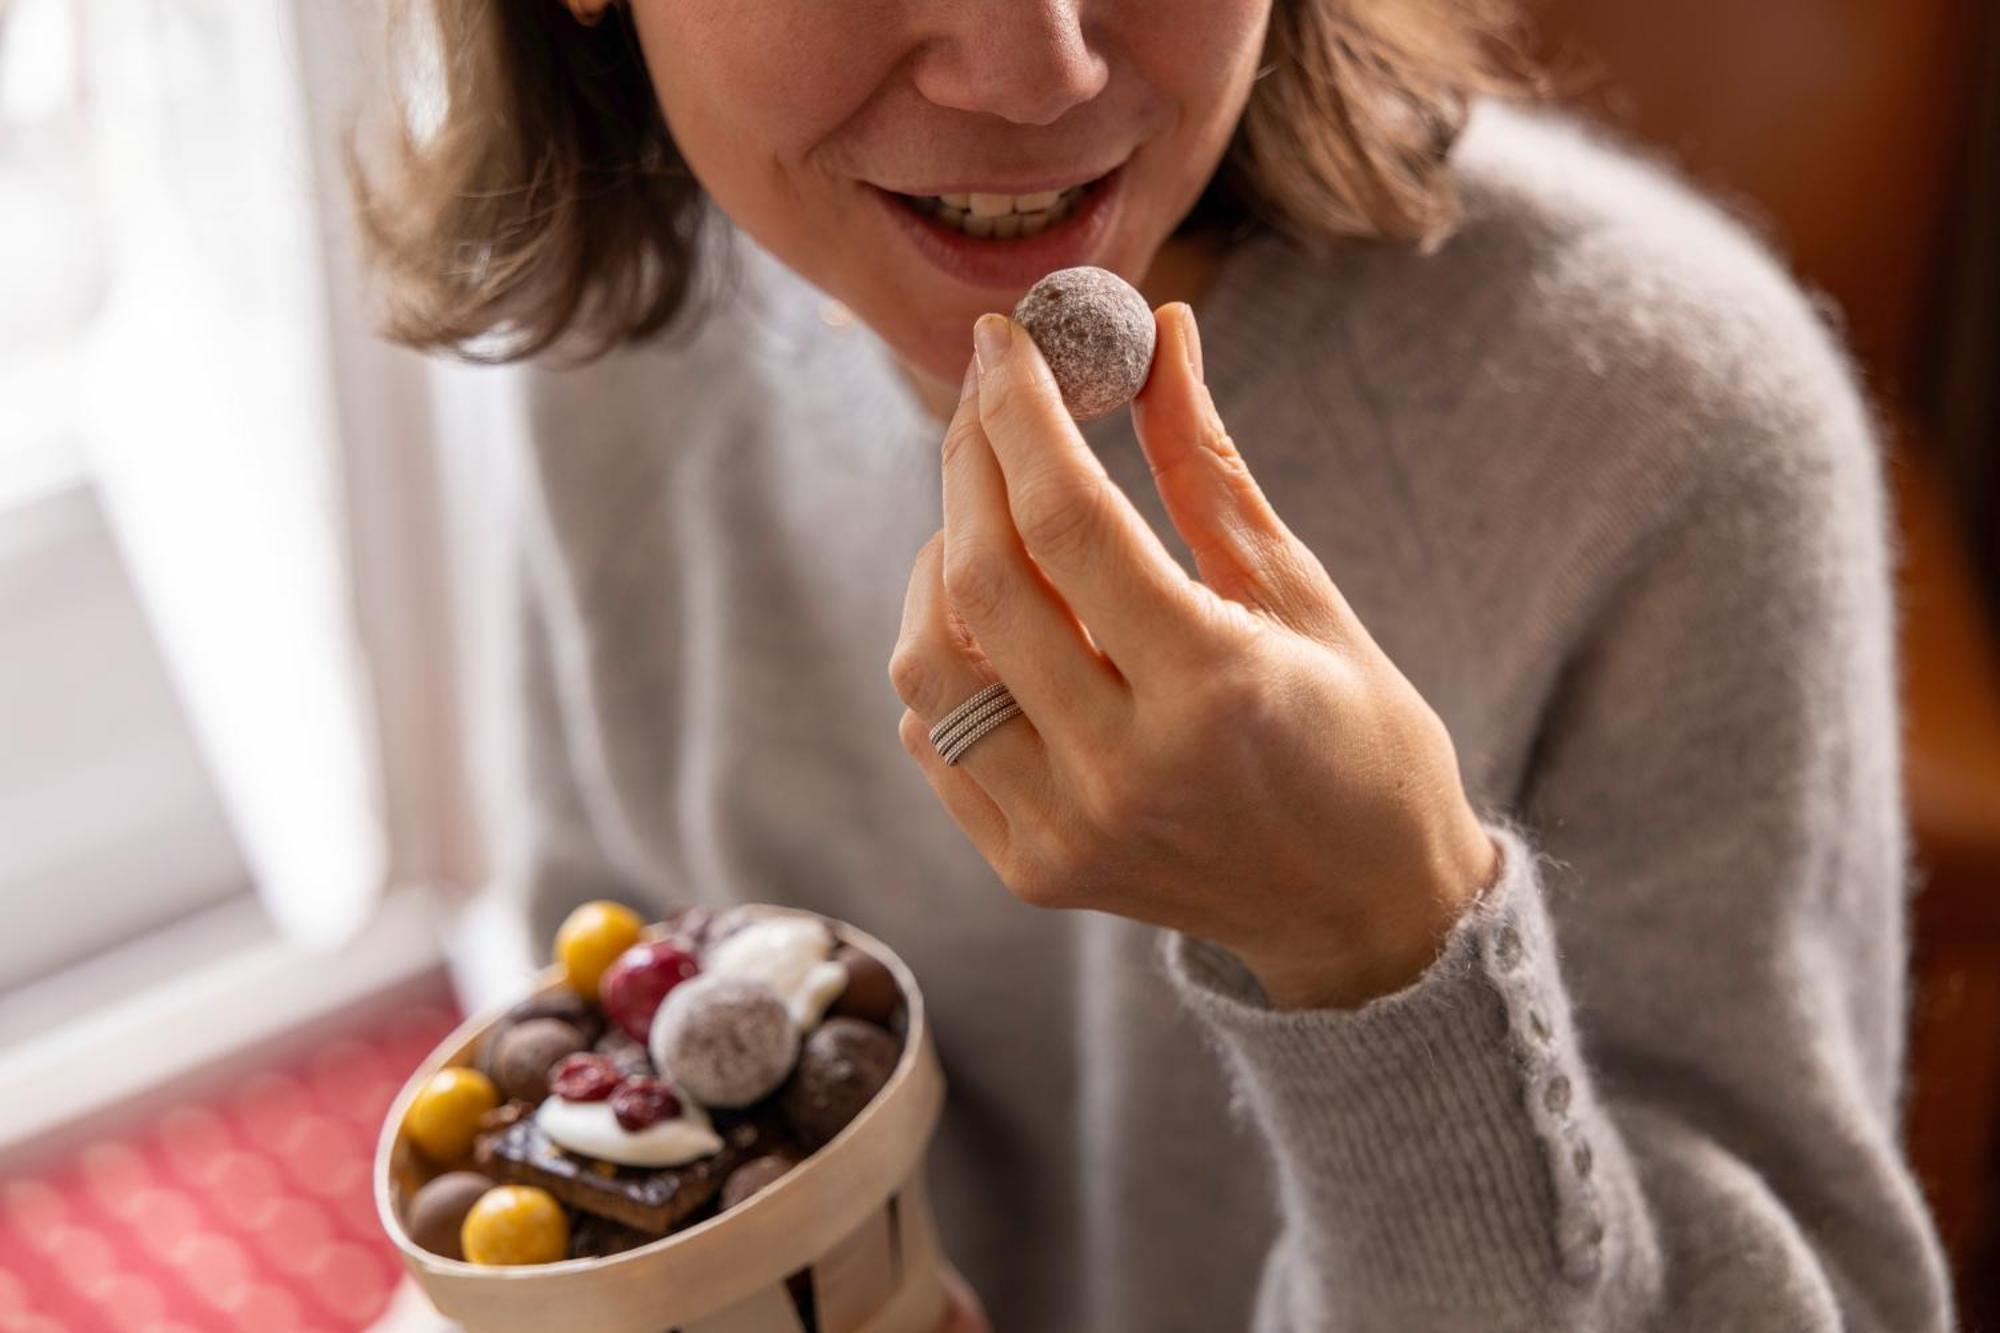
<point x="590" y="938"/>
<point x="515" y="1224"/>
<point x="444" y="1115"/>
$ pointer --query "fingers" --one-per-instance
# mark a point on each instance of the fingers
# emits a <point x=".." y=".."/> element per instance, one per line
<point x="1241" y="548"/>
<point x="969" y="806"/>
<point x="963" y="1311"/>
<point x="937" y="665"/>
<point x="1095" y="548"/>
<point x="1028" y="634"/>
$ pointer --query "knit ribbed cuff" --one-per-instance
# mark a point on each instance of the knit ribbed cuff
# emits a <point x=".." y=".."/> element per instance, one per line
<point x="1436" y="1148"/>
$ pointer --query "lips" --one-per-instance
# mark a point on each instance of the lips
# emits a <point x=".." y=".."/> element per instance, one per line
<point x="1015" y="184"/>
<point x="1006" y="241"/>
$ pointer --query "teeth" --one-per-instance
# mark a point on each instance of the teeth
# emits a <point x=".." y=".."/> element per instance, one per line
<point x="1000" y="216"/>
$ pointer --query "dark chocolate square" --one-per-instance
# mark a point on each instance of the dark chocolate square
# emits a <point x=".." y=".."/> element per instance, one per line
<point x="650" y="1199"/>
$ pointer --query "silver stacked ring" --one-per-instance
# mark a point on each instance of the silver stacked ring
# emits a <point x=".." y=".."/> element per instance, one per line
<point x="957" y="730"/>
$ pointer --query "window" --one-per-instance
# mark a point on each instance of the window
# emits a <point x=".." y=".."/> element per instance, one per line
<point x="110" y="826"/>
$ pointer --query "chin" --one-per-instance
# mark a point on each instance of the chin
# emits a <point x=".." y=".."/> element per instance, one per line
<point x="938" y="350"/>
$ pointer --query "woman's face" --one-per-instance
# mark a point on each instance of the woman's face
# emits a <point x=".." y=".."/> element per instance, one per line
<point x="920" y="159"/>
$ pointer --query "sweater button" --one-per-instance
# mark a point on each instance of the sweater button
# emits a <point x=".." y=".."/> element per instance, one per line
<point x="1593" y="1228"/>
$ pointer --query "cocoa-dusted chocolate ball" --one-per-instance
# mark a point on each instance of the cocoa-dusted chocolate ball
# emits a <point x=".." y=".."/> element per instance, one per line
<point x="842" y="1065"/>
<point x="523" y="1053"/>
<point x="871" y="993"/>
<point x="1096" y="332"/>
<point x="726" y="1040"/>
<point x="437" y="1211"/>
<point x="754" y="1175"/>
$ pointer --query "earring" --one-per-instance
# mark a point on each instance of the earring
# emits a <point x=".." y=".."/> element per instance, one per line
<point x="588" y="12"/>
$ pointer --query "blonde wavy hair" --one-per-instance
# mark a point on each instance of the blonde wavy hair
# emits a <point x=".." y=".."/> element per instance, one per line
<point x="544" y="201"/>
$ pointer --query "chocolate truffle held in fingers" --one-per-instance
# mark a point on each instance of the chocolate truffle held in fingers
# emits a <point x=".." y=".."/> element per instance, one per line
<point x="1096" y="332"/>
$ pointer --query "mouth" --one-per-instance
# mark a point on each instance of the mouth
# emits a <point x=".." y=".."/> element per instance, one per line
<point x="1001" y="217"/>
<point x="1007" y="240"/>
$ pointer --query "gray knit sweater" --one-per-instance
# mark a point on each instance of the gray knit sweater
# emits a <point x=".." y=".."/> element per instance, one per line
<point x="1599" y="480"/>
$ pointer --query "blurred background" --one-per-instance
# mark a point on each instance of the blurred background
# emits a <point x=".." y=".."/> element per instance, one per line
<point x="247" y="642"/>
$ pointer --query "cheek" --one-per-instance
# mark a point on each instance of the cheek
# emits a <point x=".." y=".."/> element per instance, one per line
<point x="1201" y="54"/>
<point x="744" y="93"/>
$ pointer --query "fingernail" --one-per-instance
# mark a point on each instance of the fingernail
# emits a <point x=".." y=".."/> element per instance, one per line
<point x="990" y="337"/>
<point x="971" y="383"/>
<point x="1191" y="337"/>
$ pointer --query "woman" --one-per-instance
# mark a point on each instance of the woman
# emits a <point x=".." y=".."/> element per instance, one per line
<point x="1497" y="802"/>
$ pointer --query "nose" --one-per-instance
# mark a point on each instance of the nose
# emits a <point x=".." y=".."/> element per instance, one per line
<point x="1026" y="61"/>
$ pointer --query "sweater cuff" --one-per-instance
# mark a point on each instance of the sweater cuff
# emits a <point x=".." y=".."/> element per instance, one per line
<point x="1439" y="1148"/>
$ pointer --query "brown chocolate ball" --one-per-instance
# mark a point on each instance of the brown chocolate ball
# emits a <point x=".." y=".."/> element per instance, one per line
<point x="842" y="1065"/>
<point x="562" y="1003"/>
<point x="1096" y="332"/>
<point x="524" y="1052"/>
<point x="752" y="1176"/>
<point x="871" y="993"/>
<point x="437" y="1211"/>
<point x="691" y="926"/>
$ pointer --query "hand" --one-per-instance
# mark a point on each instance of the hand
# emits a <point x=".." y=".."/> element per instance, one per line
<point x="1234" y="758"/>
<point x="963" y="1312"/>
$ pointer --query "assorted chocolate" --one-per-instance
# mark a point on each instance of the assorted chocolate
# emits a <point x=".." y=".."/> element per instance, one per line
<point x="841" y="1067"/>
<point x="437" y="1211"/>
<point x="684" y="1067"/>
<point x="525" y="1052"/>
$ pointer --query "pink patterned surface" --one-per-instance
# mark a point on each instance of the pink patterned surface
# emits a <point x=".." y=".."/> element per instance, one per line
<point x="247" y="1211"/>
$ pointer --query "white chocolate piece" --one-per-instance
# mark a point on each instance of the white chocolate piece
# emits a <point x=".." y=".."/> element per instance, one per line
<point x="592" y="1129"/>
<point x="790" y="954"/>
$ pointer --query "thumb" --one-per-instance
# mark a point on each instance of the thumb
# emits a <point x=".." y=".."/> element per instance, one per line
<point x="1242" y="549"/>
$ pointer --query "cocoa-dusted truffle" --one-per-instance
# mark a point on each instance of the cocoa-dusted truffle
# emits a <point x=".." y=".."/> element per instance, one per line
<point x="437" y="1211"/>
<point x="871" y="992"/>
<point x="523" y="1053"/>
<point x="842" y="1065"/>
<point x="727" y="1040"/>
<point x="1095" y="332"/>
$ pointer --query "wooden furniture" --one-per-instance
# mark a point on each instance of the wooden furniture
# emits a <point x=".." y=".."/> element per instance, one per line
<point x="1840" y="131"/>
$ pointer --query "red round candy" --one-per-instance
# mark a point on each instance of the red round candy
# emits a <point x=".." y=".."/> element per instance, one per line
<point x="584" y="1077"/>
<point x="643" y="1101"/>
<point x="632" y="988"/>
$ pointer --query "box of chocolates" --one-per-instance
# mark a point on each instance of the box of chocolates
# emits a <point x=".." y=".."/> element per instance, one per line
<point x="714" y="1123"/>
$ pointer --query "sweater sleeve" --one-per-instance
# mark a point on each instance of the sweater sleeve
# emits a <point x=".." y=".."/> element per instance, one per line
<point x="1651" y="1080"/>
